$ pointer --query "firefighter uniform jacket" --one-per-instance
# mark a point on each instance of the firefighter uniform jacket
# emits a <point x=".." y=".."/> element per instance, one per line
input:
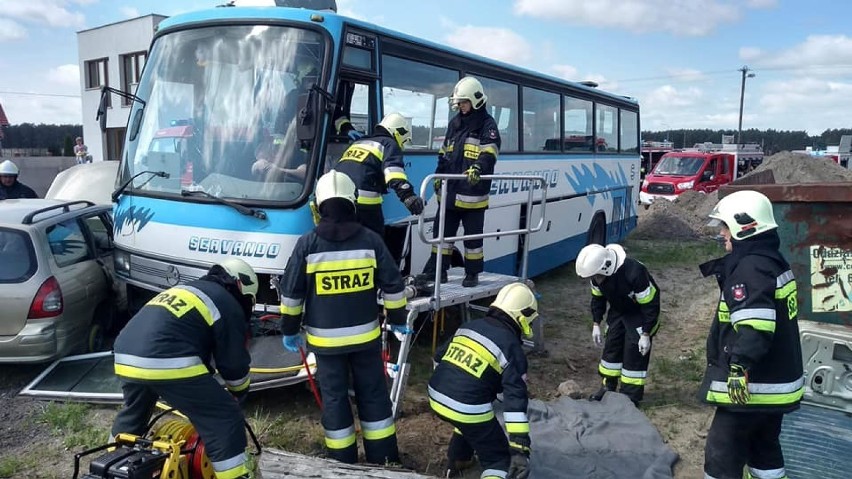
<point x="471" y="139"/>
<point x="632" y="295"/>
<point x="335" y="283"/>
<point x="177" y="333"/>
<point x="375" y="163"/>
<point x="484" y="358"/>
<point x="755" y="327"/>
<point x="16" y="191"/>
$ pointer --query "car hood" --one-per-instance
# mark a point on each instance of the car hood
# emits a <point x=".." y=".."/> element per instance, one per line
<point x="93" y="182"/>
<point x="668" y="179"/>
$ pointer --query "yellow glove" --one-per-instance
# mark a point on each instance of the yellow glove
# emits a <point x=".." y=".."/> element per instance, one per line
<point x="473" y="174"/>
<point x="738" y="385"/>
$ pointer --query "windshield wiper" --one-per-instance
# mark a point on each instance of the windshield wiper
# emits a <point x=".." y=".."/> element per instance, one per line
<point x="118" y="191"/>
<point x="259" y="214"/>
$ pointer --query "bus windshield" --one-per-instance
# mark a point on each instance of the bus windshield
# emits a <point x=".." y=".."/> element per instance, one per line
<point x="220" y="113"/>
<point x="679" y="166"/>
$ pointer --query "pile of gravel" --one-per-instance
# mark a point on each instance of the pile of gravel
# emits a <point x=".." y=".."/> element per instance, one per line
<point x="686" y="217"/>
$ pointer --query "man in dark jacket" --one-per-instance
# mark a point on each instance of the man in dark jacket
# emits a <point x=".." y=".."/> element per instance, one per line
<point x="10" y="187"/>
<point x="631" y="293"/>
<point x="375" y="163"/>
<point x="168" y="349"/>
<point x="334" y="275"/>
<point x="754" y="357"/>
<point x="471" y="147"/>
<point x="484" y="358"/>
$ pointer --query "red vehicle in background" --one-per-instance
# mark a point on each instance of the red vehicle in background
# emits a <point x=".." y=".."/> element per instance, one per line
<point x="680" y="171"/>
<point x="173" y="140"/>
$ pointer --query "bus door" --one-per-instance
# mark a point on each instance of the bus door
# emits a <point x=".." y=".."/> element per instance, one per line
<point x="621" y="211"/>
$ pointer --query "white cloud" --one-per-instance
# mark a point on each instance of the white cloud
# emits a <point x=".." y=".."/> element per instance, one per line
<point x="690" y="18"/>
<point x="567" y="72"/>
<point x="129" y="12"/>
<point x="10" y="30"/>
<point x="817" y="104"/>
<point x="497" y="43"/>
<point x="66" y="75"/>
<point x="685" y="74"/>
<point x="750" y="54"/>
<point x="815" y="50"/>
<point x="50" y="12"/>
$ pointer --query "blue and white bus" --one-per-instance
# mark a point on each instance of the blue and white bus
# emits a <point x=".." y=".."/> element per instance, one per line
<point x="238" y="78"/>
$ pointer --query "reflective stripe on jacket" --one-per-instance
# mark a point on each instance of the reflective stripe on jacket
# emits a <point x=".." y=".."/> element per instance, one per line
<point x="181" y="331"/>
<point x="632" y="296"/>
<point x="334" y="285"/>
<point x="375" y="164"/>
<point x="755" y="326"/>
<point x="470" y="140"/>
<point x="484" y="358"/>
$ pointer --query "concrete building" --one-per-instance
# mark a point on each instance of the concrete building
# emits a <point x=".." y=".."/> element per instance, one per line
<point x="111" y="55"/>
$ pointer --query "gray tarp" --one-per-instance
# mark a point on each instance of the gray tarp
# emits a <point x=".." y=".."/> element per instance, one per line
<point x="585" y="439"/>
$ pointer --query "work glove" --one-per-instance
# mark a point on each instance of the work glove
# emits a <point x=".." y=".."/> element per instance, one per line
<point x="473" y="173"/>
<point x="400" y="329"/>
<point x="738" y="385"/>
<point x="293" y="343"/>
<point x="414" y="204"/>
<point x="519" y="447"/>
<point x="596" y="334"/>
<point x="644" y="344"/>
<point x="436" y="185"/>
<point x="355" y="135"/>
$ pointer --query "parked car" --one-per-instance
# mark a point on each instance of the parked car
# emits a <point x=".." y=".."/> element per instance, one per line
<point x="57" y="294"/>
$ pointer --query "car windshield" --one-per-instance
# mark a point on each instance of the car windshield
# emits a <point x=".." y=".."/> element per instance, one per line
<point x="220" y="113"/>
<point x="16" y="256"/>
<point x="679" y="166"/>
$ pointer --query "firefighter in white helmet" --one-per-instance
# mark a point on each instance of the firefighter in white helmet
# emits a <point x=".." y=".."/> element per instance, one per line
<point x="754" y="369"/>
<point x="330" y="284"/>
<point x="485" y="357"/>
<point x="626" y="288"/>
<point x="471" y="146"/>
<point x="375" y="163"/>
<point x="10" y="187"/>
<point x="169" y="348"/>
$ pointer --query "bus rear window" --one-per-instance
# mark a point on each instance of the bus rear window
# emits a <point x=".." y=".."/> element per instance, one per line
<point x="16" y="256"/>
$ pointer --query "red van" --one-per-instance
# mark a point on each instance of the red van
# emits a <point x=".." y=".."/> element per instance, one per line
<point x="680" y="171"/>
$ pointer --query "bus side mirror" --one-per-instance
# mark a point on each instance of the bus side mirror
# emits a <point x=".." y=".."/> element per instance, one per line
<point x="102" y="110"/>
<point x="306" y="119"/>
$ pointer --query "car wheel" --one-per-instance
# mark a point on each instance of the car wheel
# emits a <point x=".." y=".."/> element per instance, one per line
<point x="97" y="339"/>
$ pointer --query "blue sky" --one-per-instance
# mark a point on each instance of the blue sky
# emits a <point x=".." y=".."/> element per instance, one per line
<point x="679" y="58"/>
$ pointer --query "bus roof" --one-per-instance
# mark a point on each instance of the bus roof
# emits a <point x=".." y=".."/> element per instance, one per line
<point x="334" y="22"/>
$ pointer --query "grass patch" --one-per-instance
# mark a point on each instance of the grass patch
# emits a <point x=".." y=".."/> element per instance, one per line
<point x="15" y="466"/>
<point x="657" y="253"/>
<point x="69" y="420"/>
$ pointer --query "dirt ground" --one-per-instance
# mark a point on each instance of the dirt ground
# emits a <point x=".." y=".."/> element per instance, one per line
<point x="670" y="239"/>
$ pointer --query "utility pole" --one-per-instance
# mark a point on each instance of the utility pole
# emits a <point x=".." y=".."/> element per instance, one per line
<point x="746" y="71"/>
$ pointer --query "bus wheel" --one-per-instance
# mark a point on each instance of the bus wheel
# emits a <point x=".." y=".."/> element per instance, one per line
<point x="597" y="230"/>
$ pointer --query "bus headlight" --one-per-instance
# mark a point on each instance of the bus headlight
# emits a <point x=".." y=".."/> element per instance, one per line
<point x="122" y="262"/>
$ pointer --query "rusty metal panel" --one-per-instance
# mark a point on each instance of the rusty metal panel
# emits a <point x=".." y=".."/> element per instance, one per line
<point x="815" y="226"/>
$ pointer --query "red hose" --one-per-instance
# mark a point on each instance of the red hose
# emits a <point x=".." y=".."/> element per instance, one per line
<point x="311" y="381"/>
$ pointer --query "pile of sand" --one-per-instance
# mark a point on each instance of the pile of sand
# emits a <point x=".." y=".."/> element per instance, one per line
<point x="686" y="217"/>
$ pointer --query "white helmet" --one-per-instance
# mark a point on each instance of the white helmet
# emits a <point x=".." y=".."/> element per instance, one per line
<point x="397" y="125"/>
<point x="746" y="213"/>
<point x="518" y="301"/>
<point x="596" y="259"/>
<point x="243" y="273"/>
<point x="468" y="88"/>
<point x="335" y="184"/>
<point x="9" y="168"/>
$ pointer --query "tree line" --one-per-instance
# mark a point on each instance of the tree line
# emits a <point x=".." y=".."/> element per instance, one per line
<point x="772" y="140"/>
<point x="58" y="139"/>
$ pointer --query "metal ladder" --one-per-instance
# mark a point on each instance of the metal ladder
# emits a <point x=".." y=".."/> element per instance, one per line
<point x="452" y="294"/>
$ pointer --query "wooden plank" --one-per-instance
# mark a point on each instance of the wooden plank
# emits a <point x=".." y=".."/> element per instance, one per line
<point x="275" y="464"/>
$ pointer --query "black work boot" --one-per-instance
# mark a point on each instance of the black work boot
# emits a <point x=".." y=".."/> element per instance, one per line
<point x="470" y="280"/>
<point x="429" y="277"/>
<point x="607" y="387"/>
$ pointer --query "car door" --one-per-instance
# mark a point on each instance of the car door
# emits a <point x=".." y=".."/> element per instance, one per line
<point x="99" y="229"/>
<point x="79" y="276"/>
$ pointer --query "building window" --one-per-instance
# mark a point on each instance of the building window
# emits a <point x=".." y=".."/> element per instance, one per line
<point x="131" y="72"/>
<point x="97" y="76"/>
